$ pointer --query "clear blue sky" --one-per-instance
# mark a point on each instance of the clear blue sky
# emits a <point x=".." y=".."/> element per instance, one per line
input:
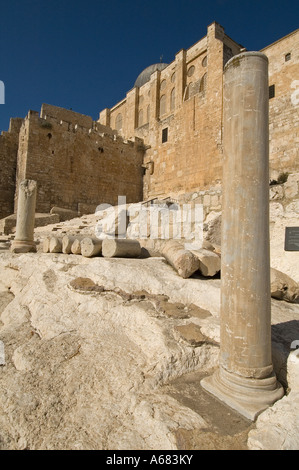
<point x="86" y="55"/>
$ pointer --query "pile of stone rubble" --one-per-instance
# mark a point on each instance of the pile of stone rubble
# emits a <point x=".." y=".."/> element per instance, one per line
<point x="205" y="261"/>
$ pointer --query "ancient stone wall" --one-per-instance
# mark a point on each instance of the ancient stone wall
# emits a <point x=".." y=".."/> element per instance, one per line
<point x="192" y="155"/>
<point x="283" y="58"/>
<point x="178" y="113"/>
<point x="66" y="115"/>
<point x="8" y="163"/>
<point x="283" y="197"/>
<point x="76" y="166"/>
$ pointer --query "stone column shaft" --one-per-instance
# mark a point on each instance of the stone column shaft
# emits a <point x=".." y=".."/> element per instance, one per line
<point x="24" y="238"/>
<point x="245" y="379"/>
<point x="245" y="289"/>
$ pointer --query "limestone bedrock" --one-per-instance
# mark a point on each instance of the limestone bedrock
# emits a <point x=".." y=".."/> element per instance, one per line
<point x="90" y="343"/>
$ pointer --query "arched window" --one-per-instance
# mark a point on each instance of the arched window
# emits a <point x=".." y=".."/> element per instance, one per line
<point x="190" y="71"/>
<point x="172" y="99"/>
<point x="119" y="122"/>
<point x="163" y="85"/>
<point x="203" y="83"/>
<point x="187" y="92"/>
<point x="162" y="105"/>
<point x="140" y="117"/>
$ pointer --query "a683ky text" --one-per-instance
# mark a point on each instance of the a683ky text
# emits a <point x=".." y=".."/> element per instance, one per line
<point x="167" y="459"/>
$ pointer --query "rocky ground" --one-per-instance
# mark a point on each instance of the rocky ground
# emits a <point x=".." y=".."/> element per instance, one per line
<point x="108" y="354"/>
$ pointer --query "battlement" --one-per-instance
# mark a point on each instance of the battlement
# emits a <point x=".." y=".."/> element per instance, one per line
<point x="53" y="117"/>
<point x="77" y="162"/>
<point x="67" y="115"/>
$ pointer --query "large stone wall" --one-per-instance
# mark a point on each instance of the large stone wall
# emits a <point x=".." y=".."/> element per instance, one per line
<point x="77" y="165"/>
<point x="192" y="156"/>
<point x="282" y="195"/>
<point x="8" y="163"/>
<point x="184" y="99"/>
<point x="283" y="58"/>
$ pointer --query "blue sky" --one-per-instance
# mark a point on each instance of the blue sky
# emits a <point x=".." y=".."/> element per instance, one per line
<point x="86" y="55"/>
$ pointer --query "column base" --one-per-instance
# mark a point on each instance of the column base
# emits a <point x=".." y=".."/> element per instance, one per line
<point x="248" y="396"/>
<point x="23" y="246"/>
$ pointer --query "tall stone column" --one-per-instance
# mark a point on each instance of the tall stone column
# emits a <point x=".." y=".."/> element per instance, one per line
<point x="245" y="379"/>
<point x="24" y="238"/>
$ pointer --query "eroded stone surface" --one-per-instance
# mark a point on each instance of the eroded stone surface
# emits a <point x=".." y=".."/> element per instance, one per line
<point x="84" y="364"/>
<point x="90" y="345"/>
<point x="283" y="286"/>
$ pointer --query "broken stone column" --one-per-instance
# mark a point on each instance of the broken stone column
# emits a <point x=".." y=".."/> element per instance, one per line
<point x="245" y="379"/>
<point x="91" y="247"/>
<point x="68" y="241"/>
<point x="76" y="247"/>
<point x="24" y="239"/>
<point x="46" y="245"/>
<point x="55" y="245"/>
<point x="209" y="262"/>
<point x="183" y="261"/>
<point x="120" y="248"/>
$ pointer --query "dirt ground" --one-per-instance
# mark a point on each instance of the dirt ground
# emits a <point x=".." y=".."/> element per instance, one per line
<point x="226" y="430"/>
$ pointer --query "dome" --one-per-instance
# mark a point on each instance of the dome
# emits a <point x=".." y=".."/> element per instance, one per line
<point x="145" y="75"/>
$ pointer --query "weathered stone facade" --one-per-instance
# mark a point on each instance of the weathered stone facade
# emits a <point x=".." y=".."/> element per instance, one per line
<point x="163" y="139"/>
<point x="283" y="58"/>
<point x="77" y="163"/>
<point x="8" y="162"/>
<point x="178" y="113"/>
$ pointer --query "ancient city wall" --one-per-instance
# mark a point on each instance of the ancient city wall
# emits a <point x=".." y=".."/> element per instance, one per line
<point x="76" y="166"/>
<point x="8" y="163"/>
<point x="192" y="155"/>
<point x="178" y="113"/>
<point x="285" y="193"/>
<point x="283" y="58"/>
<point x="67" y="115"/>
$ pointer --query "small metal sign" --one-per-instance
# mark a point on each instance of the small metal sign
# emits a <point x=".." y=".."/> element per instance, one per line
<point x="291" y="242"/>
